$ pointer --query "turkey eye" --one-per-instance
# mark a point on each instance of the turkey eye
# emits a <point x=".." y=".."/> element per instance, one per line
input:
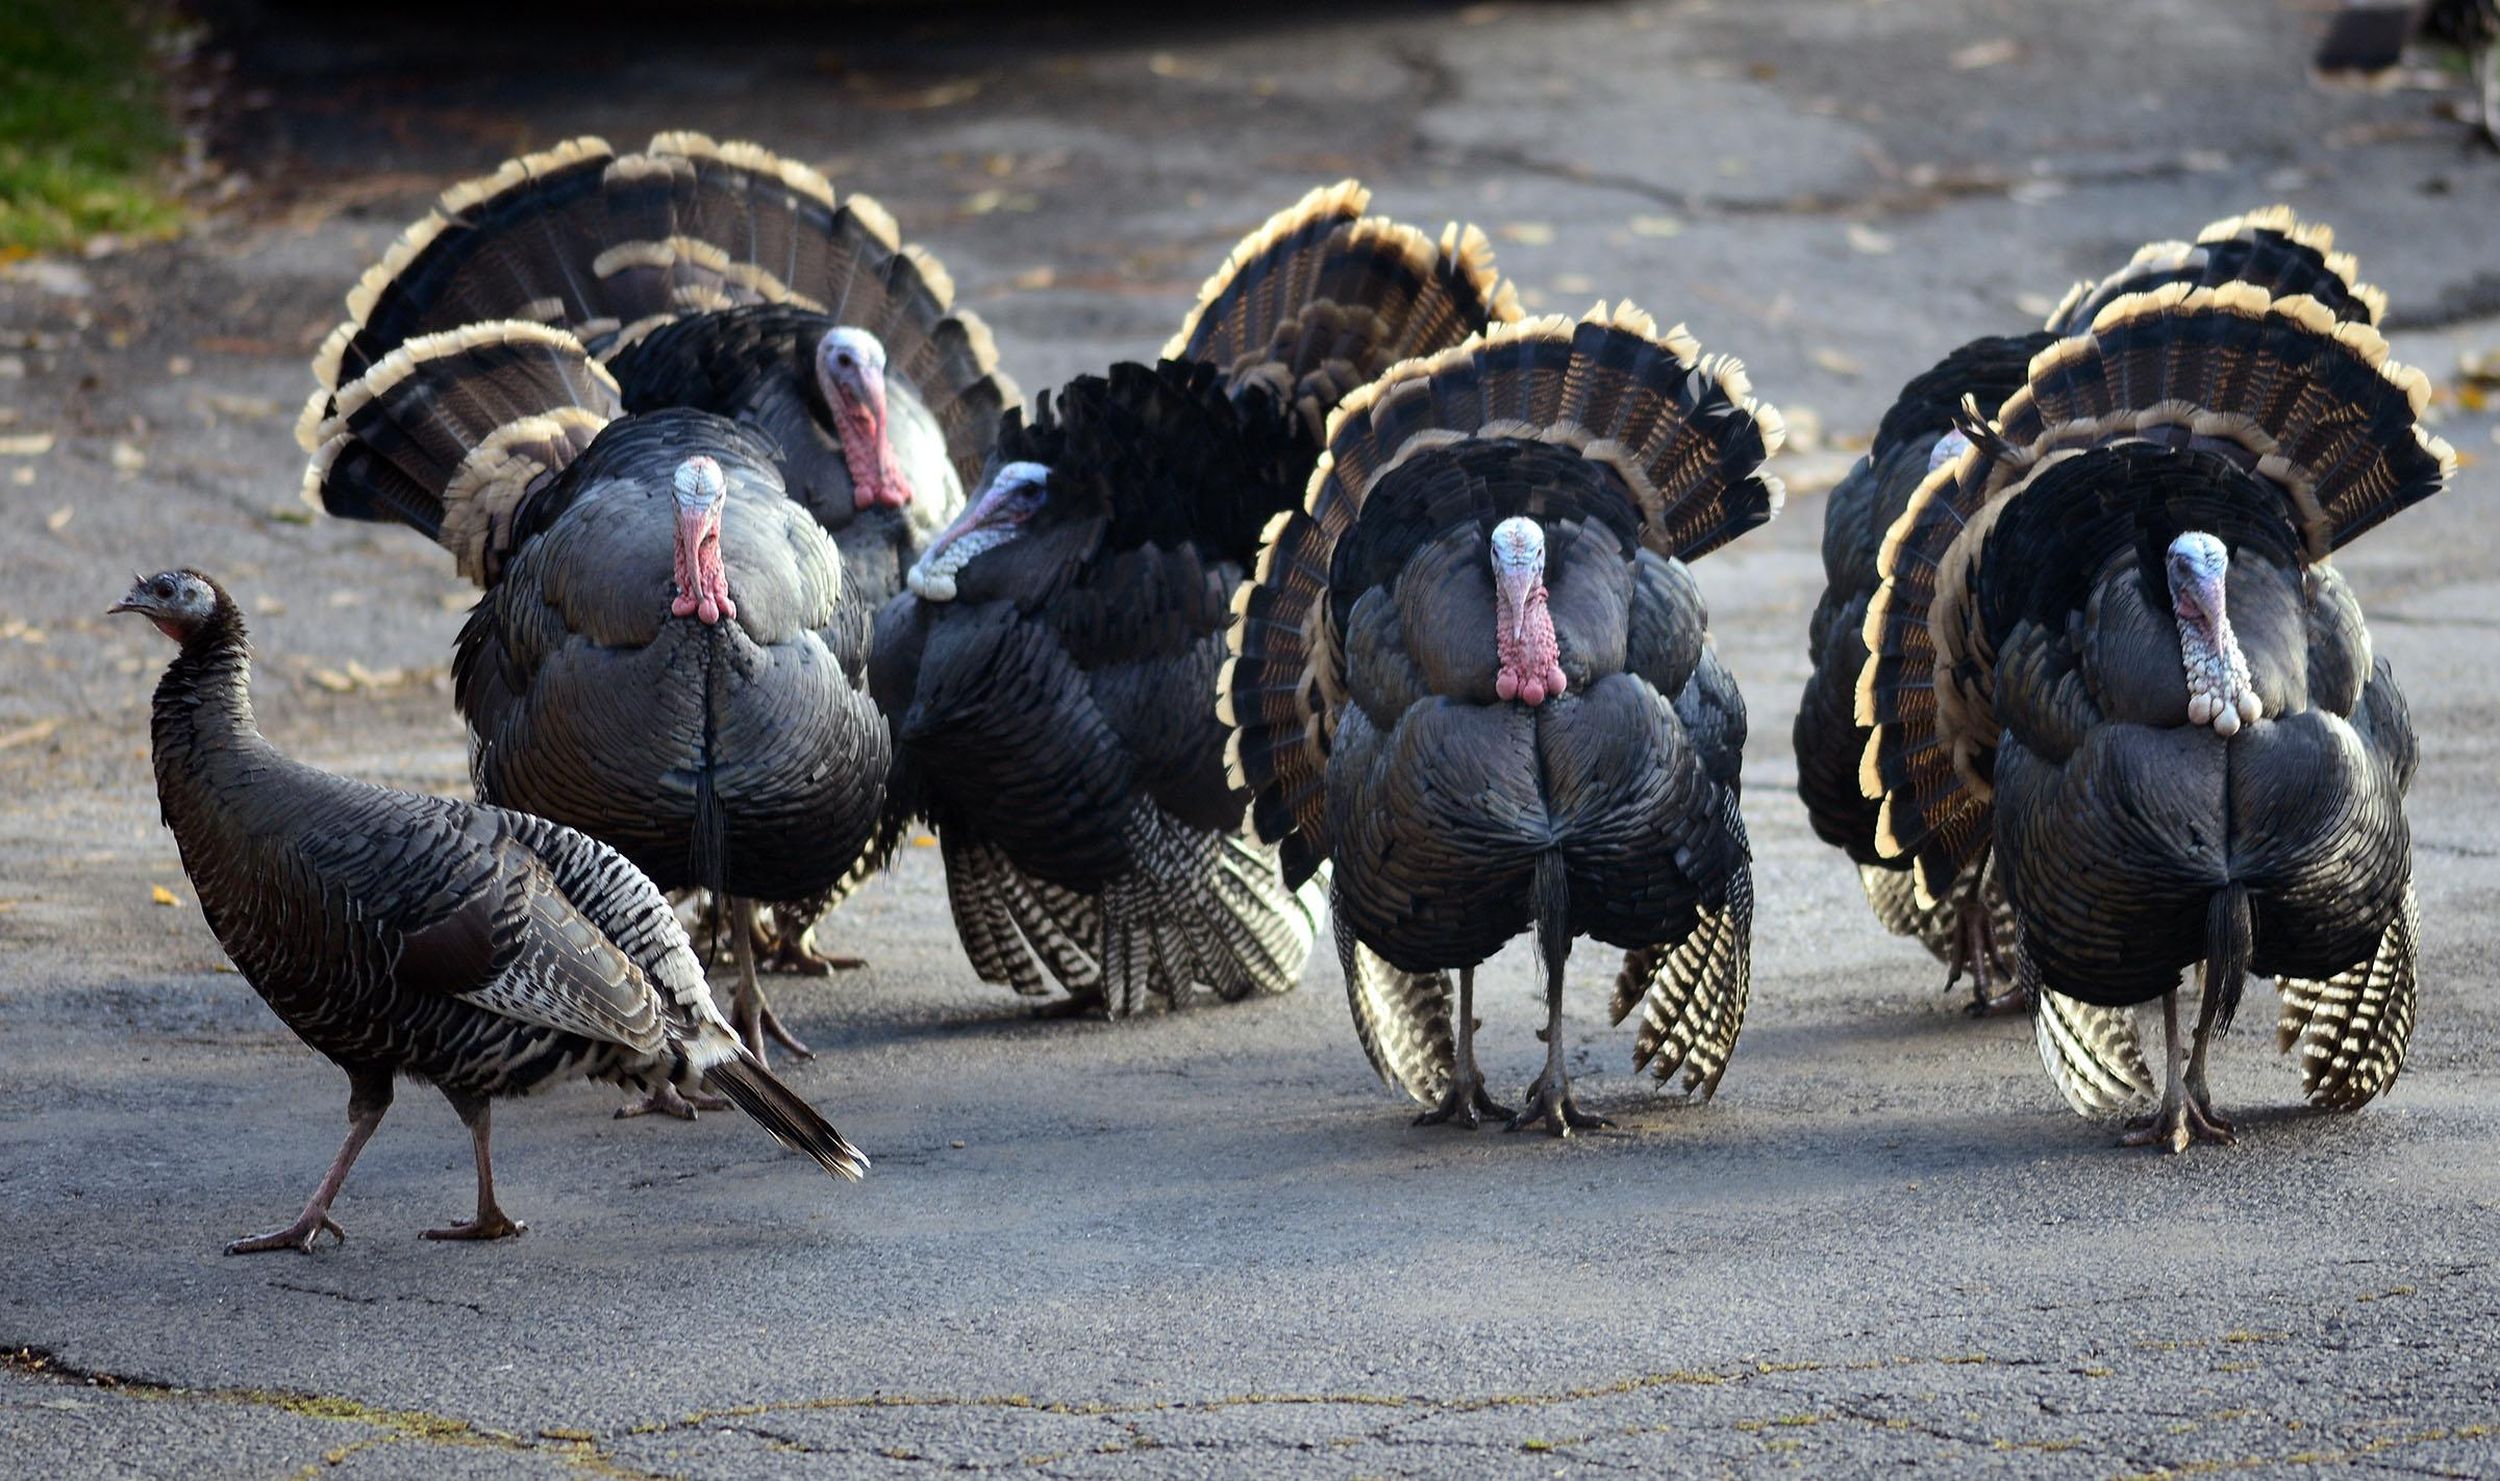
<point x="165" y="589"/>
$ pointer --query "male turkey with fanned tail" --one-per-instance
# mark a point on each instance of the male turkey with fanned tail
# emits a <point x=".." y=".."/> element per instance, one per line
<point x="485" y="952"/>
<point x="664" y="654"/>
<point x="1474" y="674"/>
<point x="1048" y="672"/>
<point x="2109" y="646"/>
<point x="721" y="278"/>
<point x="1970" y="926"/>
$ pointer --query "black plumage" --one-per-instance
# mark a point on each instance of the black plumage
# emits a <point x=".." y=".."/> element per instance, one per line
<point x="664" y="656"/>
<point x="1970" y="927"/>
<point x="2110" y="653"/>
<point x="483" y="951"/>
<point x="1049" y="673"/>
<point x="721" y="278"/>
<point x="1475" y="676"/>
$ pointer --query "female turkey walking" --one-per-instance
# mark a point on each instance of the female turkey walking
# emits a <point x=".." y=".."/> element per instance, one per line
<point x="2110" y="646"/>
<point x="664" y="653"/>
<point x="1048" y="672"/>
<point x="1970" y="927"/>
<point x="1475" y="675"/>
<point x="722" y="278"/>
<point x="485" y="952"/>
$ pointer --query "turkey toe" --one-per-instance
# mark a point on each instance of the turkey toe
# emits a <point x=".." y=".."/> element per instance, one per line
<point x="300" y="1235"/>
<point x="1466" y="1104"/>
<point x="494" y="1223"/>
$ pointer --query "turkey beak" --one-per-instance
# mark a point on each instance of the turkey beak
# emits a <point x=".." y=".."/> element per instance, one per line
<point x="134" y="600"/>
<point x="1517" y="583"/>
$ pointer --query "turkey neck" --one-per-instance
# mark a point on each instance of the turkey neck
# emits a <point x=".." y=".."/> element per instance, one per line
<point x="202" y="719"/>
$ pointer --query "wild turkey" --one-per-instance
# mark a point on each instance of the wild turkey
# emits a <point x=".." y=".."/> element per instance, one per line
<point x="1971" y="928"/>
<point x="2109" y="646"/>
<point x="485" y="952"/>
<point x="2369" y="36"/>
<point x="1049" y="671"/>
<point x="722" y="278"/>
<point x="663" y="657"/>
<point x="1475" y="675"/>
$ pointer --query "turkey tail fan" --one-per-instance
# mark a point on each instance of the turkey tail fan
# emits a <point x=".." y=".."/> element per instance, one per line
<point x="1680" y="430"/>
<point x="1014" y="928"/>
<point x="778" y="1109"/>
<point x="2269" y="248"/>
<point x="2288" y="405"/>
<point x="612" y="246"/>
<point x="1322" y="298"/>
<point x="450" y="433"/>
<point x="1692" y="995"/>
<point x="2351" y="1031"/>
<point x="1402" y="1018"/>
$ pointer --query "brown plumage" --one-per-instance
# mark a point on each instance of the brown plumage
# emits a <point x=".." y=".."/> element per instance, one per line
<point x="485" y="952"/>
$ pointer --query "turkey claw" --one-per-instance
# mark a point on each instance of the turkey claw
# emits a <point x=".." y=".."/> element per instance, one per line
<point x="1465" y="1104"/>
<point x="2176" y="1128"/>
<point x="1556" y="1111"/>
<point x="493" y="1224"/>
<point x="669" y="1101"/>
<point x="299" y="1236"/>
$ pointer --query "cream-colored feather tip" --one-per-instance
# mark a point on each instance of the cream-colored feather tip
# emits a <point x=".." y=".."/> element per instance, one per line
<point x="684" y="143"/>
<point x="933" y="274"/>
<point x="1236" y="776"/>
<point x="2365" y="342"/>
<point x="312" y="423"/>
<point x="2411" y="381"/>
<point x="2372" y="299"/>
<point x="317" y="470"/>
<point x="512" y="172"/>
<point x="1321" y="472"/>
<point x="2163" y="254"/>
<point x="2053" y="356"/>
<point x="1274" y="531"/>
<point x="2307" y="312"/>
<point x="2437" y="446"/>
<point x="401" y="363"/>
<point x="1224" y="691"/>
<point x="1774" y="429"/>
<point x="1632" y="318"/>
<point x="2066" y="305"/>
<point x="1729" y="373"/>
<point x="876" y="220"/>
<point x="402" y="251"/>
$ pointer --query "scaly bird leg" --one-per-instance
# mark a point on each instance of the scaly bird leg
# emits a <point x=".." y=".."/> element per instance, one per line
<point x="491" y="1221"/>
<point x="2179" y="1122"/>
<point x="794" y="951"/>
<point x="1549" y="1096"/>
<point x="367" y="1098"/>
<point x="2201" y="1119"/>
<point x="1466" y="1102"/>
<point x="753" y="1017"/>
<point x="1975" y="951"/>
<point x="668" y="1100"/>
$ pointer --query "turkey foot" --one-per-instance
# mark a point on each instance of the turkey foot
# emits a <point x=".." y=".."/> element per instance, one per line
<point x="2177" y="1126"/>
<point x="749" y="1013"/>
<point x="1975" y="951"/>
<point x="368" y="1096"/>
<point x="490" y="1223"/>
<point x="1466" y="1103"/>
<point x="779" y="1034"/>
<point x="800" y="958"/>
<point x="1550" y="1104"/>
<point x="668" y="1101"/>
<point x="300" y="1235"/>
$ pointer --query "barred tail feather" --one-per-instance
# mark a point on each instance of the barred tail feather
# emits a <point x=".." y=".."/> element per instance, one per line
<point x="1402" y="1018"/>
<point x="1692" y="994"/>
<point x="2351" y="1031"/>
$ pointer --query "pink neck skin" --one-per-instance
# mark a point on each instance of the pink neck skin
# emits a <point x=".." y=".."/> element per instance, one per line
<point x="876" y="477"/>
<point x="1523" y="634"/>
<point x="702" y="580"/>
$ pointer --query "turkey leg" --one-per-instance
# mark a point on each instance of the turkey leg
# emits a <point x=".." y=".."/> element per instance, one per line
<point x="1975" y="951"/>
<point x="1466" y="1102"/>
<point x="791" y="946"/>
<point x="491" y="1222"/>
<point x="668" y="1100"/>
<point x="368" y="1096"/>
<point x="1549" y="1098"/>
<point x="2181" y="1121"/>
<point x="753" y="1016"/>
<point x="2208" y="1126"/>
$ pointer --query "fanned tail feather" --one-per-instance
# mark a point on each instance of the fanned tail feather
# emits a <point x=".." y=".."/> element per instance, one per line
<point x="2092" y="1053"/>
<point x="450" y="434"/>
<point x="2270" y="249"/>
<point x="2281" y="390"/>
<point x="1681" y="430"/>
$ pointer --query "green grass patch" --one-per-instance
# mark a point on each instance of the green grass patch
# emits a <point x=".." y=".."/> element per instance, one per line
<point x="84" y="131"/>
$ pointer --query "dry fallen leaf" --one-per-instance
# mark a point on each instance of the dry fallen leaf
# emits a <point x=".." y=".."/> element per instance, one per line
<point x="1656" y="226"/>
<point x="162" y="895"/>
<point x="59" y="519"/>
<point x="27" y="735"/>
<point x="1574" y="283"/>
<point x="332" y="680"/>
<point x="1864" y="238"/>
<point x="1034" y="279"/>
<point x="1985" y="54"/>
<point x="26" y="445"/>
<point x="1827" y="358"/>
<point x="1164" y="64"/>
<point x="127" y="458"/>
<point x="1527" y="233"/>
